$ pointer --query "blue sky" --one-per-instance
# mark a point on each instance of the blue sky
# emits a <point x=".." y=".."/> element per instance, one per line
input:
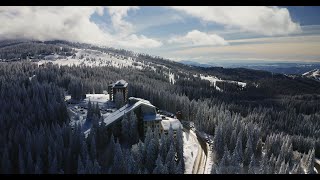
<point x="202" y="34"/>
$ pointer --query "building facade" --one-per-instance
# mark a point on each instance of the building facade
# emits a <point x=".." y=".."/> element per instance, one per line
<point x="120" y="86"/>
<point x="148" y="118"/>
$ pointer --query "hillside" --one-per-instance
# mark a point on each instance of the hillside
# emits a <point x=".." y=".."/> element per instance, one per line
<point x="67" y="53"/>
<point x="314" y="74"/>
<point x="253" y="118"/>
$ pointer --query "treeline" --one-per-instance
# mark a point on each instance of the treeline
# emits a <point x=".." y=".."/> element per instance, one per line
<point x="36" y="50"/>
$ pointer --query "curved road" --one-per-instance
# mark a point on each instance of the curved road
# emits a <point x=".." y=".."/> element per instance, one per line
<point x="200" y="162"/>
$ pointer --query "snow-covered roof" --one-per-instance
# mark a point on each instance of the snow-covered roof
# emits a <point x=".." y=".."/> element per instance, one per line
<point x="133" y="100"/>
<point x="175" y="123"/>
<point x="126" y="109"/>
<point x="152" y="117"/>
<point x="120" y="83"/>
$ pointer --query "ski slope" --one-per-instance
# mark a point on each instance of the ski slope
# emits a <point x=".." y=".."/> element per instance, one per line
<point x="213" y="81"/>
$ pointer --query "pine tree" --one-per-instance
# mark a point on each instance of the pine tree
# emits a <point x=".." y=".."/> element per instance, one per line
<point x="90" y="112"/>
<point x="125" y="128"/>
<point x="38" y="166"/>
<point x="289" y="154"/>
<point x="248" y="151"/>
<point x="283" y="168"/>
<point x="179" y="168"/>
<point x="238" y="151"/>
<point x="297" y="169"/>
<point x="264" y="165"/>
<point x="133" y="130"/>
<point x="141" y="155"/>
<point x="170" y="159"/>
<point x="88" y="166"/>
<point x="30" y="164"/>
<point x="258" y="150"/>
<point x="96" y="169"/>
<point x="5" y="163"/>
<point x="252" y="165"/>
<point x="233" y="140"/>
<point x="93" y="151"/>
<point x="132" y="166"/>
<point x="223" y="165"/>
<point x="179" y="146"/>
<point x="80" y="169"/>
<point x="21" y="161"/>
<point x="163" y="147"/>
<point x="280" y="159"/>
<point x="84" y="151"/>
<point x="218" y="143"/>
<point x="159" y="166"/>
<point x="37" y="169"/>
<point x="310" y="161"/>
<point x="151" y="155"/>
<point x="118" y="161"/>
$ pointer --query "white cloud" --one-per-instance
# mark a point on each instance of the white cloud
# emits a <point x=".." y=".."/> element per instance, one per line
<point x="261" y="20"/>
<point x="140" y="42"/>
<point x="198" y="38"/>
<point x="68" y="23"/>
<point x="117" y="14"/>
<point x="295" y="48"/>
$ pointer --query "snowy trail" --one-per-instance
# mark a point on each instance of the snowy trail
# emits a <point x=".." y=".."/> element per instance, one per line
<point x="190" y="151"/>
<point x="200" y="160"/>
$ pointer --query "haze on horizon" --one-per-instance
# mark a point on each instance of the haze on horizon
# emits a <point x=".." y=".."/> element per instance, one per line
<point x="201" y="34"/>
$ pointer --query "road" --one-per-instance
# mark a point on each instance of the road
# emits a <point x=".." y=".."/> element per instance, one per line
<point x="199" y="166"/>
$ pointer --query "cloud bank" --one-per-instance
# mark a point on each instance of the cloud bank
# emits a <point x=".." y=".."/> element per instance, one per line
<point x="72" y="24"/>
<point x="197" y="38"/>
<point x="261" y="20"/>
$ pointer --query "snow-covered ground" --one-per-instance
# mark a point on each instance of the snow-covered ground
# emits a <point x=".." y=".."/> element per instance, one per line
<point x="313" y="74"/>
<point x="213" y="80"/>
<point x="101" y="99"/>
<point x="190" y="151"/>
<point x="92" y="58"/>
<point x="171" y="78"/>
<point x="78" y="111"/>
<point x="209" y="159"/>
<point x="95" y="58"/>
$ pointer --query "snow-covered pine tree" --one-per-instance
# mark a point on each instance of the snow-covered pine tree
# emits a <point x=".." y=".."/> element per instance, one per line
<point x="252" y="165"/>
<point x="170" y="159"/>
<point x="125" y="128"/>
<point x="21" y="161"/>
<point x="297" y="169"/>
<point x="248" y="151"/>
<point x="218" y="143"/>
<point x="5" y="162"/>
<point x="179" y="168"/>
<point x="179" y="145"/>
<point x="310" y="161"/>
<point x="118" y="160"/>
<point x="238" y="151"/>
<point x="80" y="169"/>
<point x="283" y="168"/>
<point x="159" y="166"/>
<point x="151" y="154"/>
<point x="133" y="130"/>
